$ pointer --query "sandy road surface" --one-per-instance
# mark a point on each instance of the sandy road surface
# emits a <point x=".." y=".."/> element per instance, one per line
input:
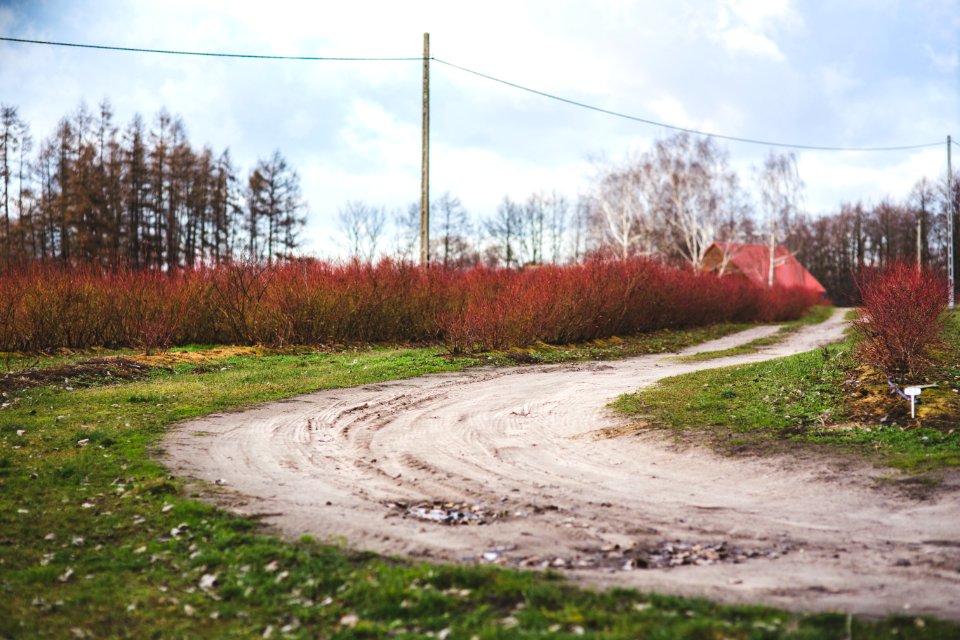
<point x="515" y="441"/>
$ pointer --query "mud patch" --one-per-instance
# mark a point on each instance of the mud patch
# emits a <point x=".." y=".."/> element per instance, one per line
<point x="676" y="554"/>
<point x="618" y="431"/>
<point x="447" y="513"/>
<point x="83" y="374"/>
<point x="663" y="555"/>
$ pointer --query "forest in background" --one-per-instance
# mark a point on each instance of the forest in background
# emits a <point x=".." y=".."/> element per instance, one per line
<point x="142" y="196"/>
<point x="671" y="203"/>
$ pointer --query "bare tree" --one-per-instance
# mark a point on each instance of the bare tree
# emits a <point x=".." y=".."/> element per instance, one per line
<point x="9" y="141"/>
<point x="736" y="225"/>
<point x="781" y="191"/>
<point x="922" y="200"/>
<point x="533" y="227"/>
<point x="25" y="194"/>
<point x="362" y="225"/>
<point x="697" y="194"/>
<point x="580" y="231"/>
<point x="624" y="202"/>
<point x="406" y="225"/>
<point x="504" y="229"/>
<point x="453" y="228"/>
<point x="558" y="209"/>
<point x="275" y="202"/>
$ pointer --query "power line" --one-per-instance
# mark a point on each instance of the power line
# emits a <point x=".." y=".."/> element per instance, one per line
<point x="576" y="103"/>
<point x="683" y="129"/>
<point x="204" y="54"/>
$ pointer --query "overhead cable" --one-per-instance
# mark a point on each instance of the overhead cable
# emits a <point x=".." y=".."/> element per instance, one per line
<point x="576" y="103"/>
<point x="205" y="54"/>
<point x="721" y="136"/>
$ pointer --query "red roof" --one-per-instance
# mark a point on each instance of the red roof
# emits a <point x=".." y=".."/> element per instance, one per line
<point x="753" y="260"/>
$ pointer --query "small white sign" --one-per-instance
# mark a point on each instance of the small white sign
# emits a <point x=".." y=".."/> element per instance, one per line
<point x="912" y="393"/>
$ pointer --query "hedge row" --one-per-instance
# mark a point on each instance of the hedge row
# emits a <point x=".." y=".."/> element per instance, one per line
<point x="47" y="307"/>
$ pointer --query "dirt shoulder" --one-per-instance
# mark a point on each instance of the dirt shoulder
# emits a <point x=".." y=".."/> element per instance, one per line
<point x="384" y="466"/>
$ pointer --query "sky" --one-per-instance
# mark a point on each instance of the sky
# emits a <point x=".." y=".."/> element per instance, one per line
<point x="854" y="73"/>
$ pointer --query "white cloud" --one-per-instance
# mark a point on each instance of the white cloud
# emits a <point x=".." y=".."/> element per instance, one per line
<point x="946" y="62"/>
<point x="832" y="177"/>
<point x="670" y="109"/>
<point x="750" y="26"/>
<point x="836" y="81"/>
<point x="377" y="136"/>
<point x="759" y="14"/>
<point x="744" y="40"/>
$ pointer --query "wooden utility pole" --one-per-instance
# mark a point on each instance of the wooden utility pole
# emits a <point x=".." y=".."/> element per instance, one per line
<point x="425" y="159"/>
<point x="950" y="213"/>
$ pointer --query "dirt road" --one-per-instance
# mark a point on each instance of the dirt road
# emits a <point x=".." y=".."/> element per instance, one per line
<point x="513" y="447"/>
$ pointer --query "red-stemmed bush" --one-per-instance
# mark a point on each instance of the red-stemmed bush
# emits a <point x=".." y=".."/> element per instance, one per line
<point x="149" y="307"/>
<point x="902" y="318"/>
<point x="307" y="301"/>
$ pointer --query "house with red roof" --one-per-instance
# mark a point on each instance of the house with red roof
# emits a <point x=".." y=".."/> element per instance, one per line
<point x="752" y="261"/>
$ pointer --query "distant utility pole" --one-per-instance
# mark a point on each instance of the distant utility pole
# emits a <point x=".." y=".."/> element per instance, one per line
<point x="773" y="252"/>
<point x="425" y="159"/>
<point x="919" y="242"/>
<point x="950" y="212"/>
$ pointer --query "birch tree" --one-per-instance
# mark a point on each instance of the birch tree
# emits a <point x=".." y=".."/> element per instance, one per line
<point x="624" y="203"/>
<point x="781" y="191"/>
<point x="697" y="194"/>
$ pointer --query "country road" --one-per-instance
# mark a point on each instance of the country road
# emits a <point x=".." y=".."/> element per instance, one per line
<point x="514" y="447"/>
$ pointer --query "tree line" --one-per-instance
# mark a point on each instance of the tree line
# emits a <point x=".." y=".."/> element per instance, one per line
<point x="834" y="247"/>
<point x="671" y="202"/>
<point x="144" y="196"/>
<point x="138" y="195"/>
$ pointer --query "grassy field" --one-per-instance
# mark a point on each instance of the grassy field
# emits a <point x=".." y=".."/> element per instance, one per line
<point x="818" y="399"/>
<point x="98" y="541"/>
<point x="815" y="315"/>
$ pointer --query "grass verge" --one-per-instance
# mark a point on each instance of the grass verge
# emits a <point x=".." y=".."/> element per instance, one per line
<point x="821" y="398"/>
<point x="98" y="541"/>
<point x="815" y="315"/>
<point x="663" y="341"/>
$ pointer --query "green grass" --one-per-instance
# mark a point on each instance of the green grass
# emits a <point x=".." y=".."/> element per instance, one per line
<point x="775" y="405"/>
<point x="97" y="540"/>
<point x="815" y="315"/>
<point x="663" y="341"/>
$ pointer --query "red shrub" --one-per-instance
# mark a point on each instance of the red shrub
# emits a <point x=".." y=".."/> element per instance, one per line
<point x="56" y="308"/>
<point x="11" y="294"/>
<point x="149" y="307"/>
<point x="311" y="302"/>
<point x="238" y="293"/>
<point x="902" y="317"/>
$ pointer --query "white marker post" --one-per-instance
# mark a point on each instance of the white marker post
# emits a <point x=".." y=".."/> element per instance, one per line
<point x="912" y="393"/>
